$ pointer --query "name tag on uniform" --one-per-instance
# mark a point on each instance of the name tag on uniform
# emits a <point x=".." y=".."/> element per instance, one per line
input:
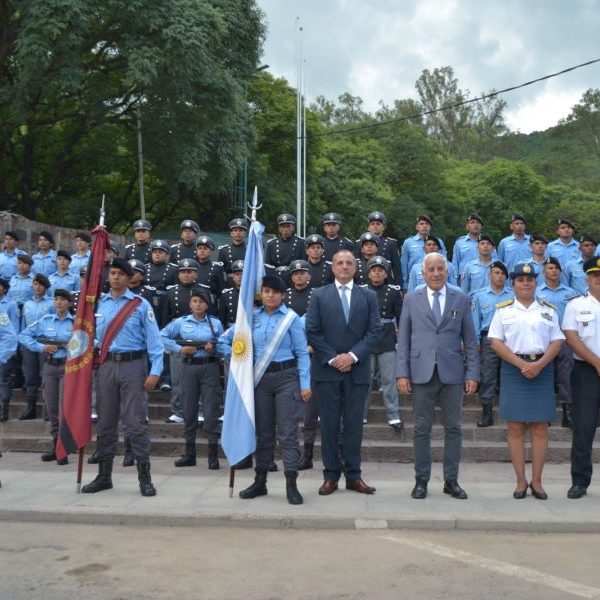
<point x="546" y="316"/>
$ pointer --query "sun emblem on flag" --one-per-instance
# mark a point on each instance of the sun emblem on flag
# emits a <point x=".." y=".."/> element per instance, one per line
<point x="241" y="347"/>
<point x="78" y="344"/>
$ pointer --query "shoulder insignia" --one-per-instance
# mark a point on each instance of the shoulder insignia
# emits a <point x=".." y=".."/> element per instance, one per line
<point x="546" y="303"/>
<point x="226" y="291"/>
<point x="569" y="298"/>
<point x="394" y="287"/>
<point x="129" y="245"/>
<point x="505" y="303"/>
<point x="151" y="288"/>
<point x="271" y="240"/>
<point x="223" y="246"/>
<point x="391" y="239"/>
<point x="171" y="287"/>
<point x="219" y="264"/>
<point x="328" y="262"/>
<point x="364" y="285"/>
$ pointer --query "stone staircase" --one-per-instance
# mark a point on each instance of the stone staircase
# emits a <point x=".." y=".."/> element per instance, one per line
<point x="381" y="442"/>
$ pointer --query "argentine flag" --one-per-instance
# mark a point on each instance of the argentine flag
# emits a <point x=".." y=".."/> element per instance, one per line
<point x="238" y="438"/>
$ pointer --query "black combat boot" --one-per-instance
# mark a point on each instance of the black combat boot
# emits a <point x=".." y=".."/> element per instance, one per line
<point x="31" y="412"/>
<point x="245" y="463"/>
<point x="93" y="459"/>
<point x="487" y="418"/>
<point x="213" y="457"/>
<point x="50" y="455"/>
<point x="273" y="466"/>
<point x="258" y="488"/>
<point x="104" y="479"/>
<point x="291" y="489"/>
<point x="146" y="487"/>
<point x="307" y="457"/>
<point x="567" y="420"/>
<point x="128" y="460"/>
<point x="189" y="458"/>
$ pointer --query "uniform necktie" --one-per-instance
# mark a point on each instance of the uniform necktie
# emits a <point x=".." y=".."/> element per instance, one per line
<point x="437" y="309"/>
<point x="345" y="305"/>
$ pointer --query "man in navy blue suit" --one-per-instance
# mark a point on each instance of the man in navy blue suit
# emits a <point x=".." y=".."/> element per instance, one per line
<point x="342" y="327"/>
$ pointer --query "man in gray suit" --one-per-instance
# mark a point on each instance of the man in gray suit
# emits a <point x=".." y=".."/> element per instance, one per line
<point x="342" y="327"/>
<point x="435" y="320"/>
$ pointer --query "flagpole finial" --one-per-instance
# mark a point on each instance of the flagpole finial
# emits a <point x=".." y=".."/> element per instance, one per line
<point x="102" y="212"/>
<point x="254" y="206"/>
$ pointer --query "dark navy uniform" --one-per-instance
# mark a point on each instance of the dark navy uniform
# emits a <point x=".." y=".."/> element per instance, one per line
<point x="281" y="252"/>
<point x="160" y="277"/>
<point x="339" y="242"/>
<point x="182" y="249"/>
<point x="298" y="299"/>
<point x="143" y="251"/>
<point x="320" y="273"/>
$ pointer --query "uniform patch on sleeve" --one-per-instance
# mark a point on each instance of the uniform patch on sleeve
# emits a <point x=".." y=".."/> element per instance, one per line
<point x="150" y="314"/>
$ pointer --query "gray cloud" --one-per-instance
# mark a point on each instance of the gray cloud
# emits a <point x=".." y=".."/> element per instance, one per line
<point x="376" y="49"/>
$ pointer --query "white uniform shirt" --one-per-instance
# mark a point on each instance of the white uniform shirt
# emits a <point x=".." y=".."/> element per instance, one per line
<point x="582" y="315"/>
<point x="526" y="330"/>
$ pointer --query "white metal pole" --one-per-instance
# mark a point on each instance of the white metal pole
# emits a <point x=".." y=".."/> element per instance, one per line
<point x="298" y="123"/>
<point x="304" y="141"/>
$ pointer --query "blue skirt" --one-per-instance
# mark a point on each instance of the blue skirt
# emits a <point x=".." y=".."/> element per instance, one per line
<point x="527" y="400"/>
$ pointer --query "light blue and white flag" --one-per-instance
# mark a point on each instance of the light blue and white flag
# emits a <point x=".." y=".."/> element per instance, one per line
<point x="238" y="438"/>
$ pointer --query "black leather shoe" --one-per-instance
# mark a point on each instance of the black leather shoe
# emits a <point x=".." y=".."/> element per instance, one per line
<point x="576" y="491"/>
<point x="453" y="489"/>
<point x="567" y="420"/>
<point x="540" y="495"/>
<point x="419" y="492"/>
<point x="520" y="494"/>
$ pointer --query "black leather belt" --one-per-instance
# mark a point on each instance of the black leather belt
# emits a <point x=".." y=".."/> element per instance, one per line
<point x="190" y="360"/>
<point x="530" y="356"/>
<point x="280" y="366"/>
<point x="56" y="362"/>
<point x="125" y="356"/>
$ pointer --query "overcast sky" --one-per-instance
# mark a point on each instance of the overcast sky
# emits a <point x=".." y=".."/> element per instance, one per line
<point x="376" y="49"/>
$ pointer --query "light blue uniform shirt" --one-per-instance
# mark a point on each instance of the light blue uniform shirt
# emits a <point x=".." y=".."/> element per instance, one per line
<point x="35" y="309"/>
<point x="9" y="308"/>
<point x="44" y="264"/>
<point x="21" y="288"/>
<point x="8" y="263"/>
<point x="575" y="275"/>
<point x="8" y="342"/>
<point x="292" y="346"/>
<point x="483" y="306"/>
<point x="558" y="297"/>
<point x="465" y="250"/>
<point x="416" y="276"/>
<point x="564" y="253"/>
<point x="50" y="326"/>
<point x="512" y="251"/>
<point x="413" y="251"/>
<point x="139" y="332"/>
<point x="79" y="262"/>
<point x="475" y="276"/>
<point x="68" y="281"/>
<point x="190" y="328"/>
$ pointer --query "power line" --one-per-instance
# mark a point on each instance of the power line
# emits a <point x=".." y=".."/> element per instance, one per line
<point x="421" y="114"/>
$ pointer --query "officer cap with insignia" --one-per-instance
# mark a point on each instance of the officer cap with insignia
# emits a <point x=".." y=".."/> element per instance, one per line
<point x="315" y="238"/>
<point x="238" y="223"/>
<point x="66" y="294"/>
<point x="201" y="292"/>
<point x="5" y="284"/>
<point x="565" y="221"/>
<point x="25" y="258"/>
<point x="378" y="261"/>
<point x="286" y="219"/>
<point x="369" y="237"/>
<point x="552" y="260"/>
<point x="522" y="269"/>
<point x="189" y="224"/>
<point x="588" y="238"/>
<point x="188" y="264"/>
<point x="121" y="263"/>
<point x="142" y="224"/>
<point x="432" y="238"/>
<point x="138" y="265"/>
<point x="484" y="237"/>
<point x="299" y="265"/>
<point x="204" y="240"/>
<point x="64" y="254"/>
<point x="160" y="245"/>
<point x="475" y="217"/>
<point x="237" y="265"/>
<point x="424" y="218"/>
<point x="538" y="237"/>
<point x="592" y="265"/>
<point x="331" y="218"/>
<point x="377" y="216"/>
<point x="498" y="264"/>
<point x="518" y="217"/>
<point x="274" y="283"/>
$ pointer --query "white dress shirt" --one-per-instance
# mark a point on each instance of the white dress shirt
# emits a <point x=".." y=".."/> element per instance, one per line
<point x="431" y="298"/>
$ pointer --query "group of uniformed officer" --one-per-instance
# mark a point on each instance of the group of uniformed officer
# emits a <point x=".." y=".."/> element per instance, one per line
<point x="179" y="281"/>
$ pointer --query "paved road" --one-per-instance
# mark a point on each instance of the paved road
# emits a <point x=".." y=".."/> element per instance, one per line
<point x="55" y="561"/>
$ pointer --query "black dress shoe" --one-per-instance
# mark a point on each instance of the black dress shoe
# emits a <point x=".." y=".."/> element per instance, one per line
<point x="520" y="494"/>
<point x="537" y="494"/>
<point x="419" y="492"/>
<point x="452" y="488"/>
<point x="576" y="491"/>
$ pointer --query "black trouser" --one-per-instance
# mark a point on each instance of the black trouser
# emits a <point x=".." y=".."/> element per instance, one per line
<point x="585" y="385"/>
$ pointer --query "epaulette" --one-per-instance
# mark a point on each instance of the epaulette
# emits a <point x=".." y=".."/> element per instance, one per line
<point x="272" y="240"/>
<point x="505" y="303"/>
<point x="546" y="303"/>
<point x="387" y="237"/>
<point x="216" y="262"/>
<point x="151" y="288"/>
<point x="363" y="285"/>
<point x="173" y="264"/>
<point x="170" y="287"/>
<point x="223" y="246"/>
<point x="348" y="240"/>
<point x="329" y="262"/>
<point x="129" y="245"/>
<point x="569" y="298"/>
<point x="226" y="290"/>
<point x="394" y="287"/>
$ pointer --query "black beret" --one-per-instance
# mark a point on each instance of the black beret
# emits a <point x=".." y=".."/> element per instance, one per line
<point x="42" y="280"/>
<point x="518" y="217"/>
<point x="498" y="264"/>
<point x="64" y="254"/>
<point x="538" y="237"/>
<point x="84" y="235"/>
<point x="274" y="283"/>
<point x="475" y="217"/>
<point x="14" y="235"/>
<point x="201" y="292"/>
<point x="552" y="260"/>
<point x="565" y="221"/>
<point x="484" y="237"/>
<point x="588" y="238"/>
<point x="432" y="238"/>
<point x="63" y="294"/>
<point x="25" y="258"/>
<point x="121" y="263"/>
<point x="47" y="235"/>
<point x="424" y="218"/>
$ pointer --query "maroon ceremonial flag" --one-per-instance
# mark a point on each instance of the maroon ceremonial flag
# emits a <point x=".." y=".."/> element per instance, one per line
<point x="75" y="429"/>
